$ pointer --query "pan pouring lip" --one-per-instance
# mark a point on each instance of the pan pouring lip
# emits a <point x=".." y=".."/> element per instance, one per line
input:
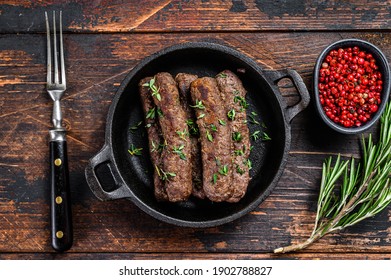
<point x="132" y="177"/>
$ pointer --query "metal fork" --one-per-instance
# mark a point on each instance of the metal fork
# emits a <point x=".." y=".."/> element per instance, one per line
<point x="61" y="214"/>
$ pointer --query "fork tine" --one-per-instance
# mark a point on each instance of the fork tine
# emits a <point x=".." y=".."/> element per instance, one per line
<point x="63" y="80"/>
<point x="56" y="77"/>
<point x="49" y="52"/>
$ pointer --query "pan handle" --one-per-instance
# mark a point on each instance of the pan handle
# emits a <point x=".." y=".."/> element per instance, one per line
<point x="104" y="157"/>
<point x="276" y="75"/>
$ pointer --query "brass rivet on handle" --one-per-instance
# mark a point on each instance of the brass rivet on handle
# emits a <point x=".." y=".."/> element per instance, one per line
<point x="59" y="234"/>
<point x="57" y="162"/>
<point x="58" y="199"/>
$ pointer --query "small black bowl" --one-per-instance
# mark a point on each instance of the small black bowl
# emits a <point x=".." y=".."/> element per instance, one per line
<point x="384" y="69"/>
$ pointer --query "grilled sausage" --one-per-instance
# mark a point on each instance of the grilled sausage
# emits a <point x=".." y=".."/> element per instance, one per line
<point x="235" y="103"/>
<point x="183" y="81"/>
<point x="215" y="137"/>
<point x="155" y="139"/>
<point x="176" y="171"/>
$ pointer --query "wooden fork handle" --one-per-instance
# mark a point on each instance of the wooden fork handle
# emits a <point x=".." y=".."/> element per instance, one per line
<point x="61" y="214"/>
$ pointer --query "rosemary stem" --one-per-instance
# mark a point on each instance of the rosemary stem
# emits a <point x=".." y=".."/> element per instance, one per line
<point x="348" y="207"/>
<point x="330" y="226"/>
<point x="300" y="246"/>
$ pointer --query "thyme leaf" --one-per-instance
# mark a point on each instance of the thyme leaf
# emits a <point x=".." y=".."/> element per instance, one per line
<point x="151" y="113"/>
<point x="239" y="170"/>
<point x="193" y="128"/>
<point x="198" y="105"/>
<point x="253" y="120"/>
<point x="237" y="136"/>
<point x="213" y="127"/>
<point x="214" y="178"/>
<point x="201" y="116"/>
<point x="255" y="135"/>
<point x="159" y="112"/>
<point x="183" y="134"/>
<point x="231" y="114"/>
<point x="249" y="164"/>
<point x="179" y="151"/>
<point x="135" y="127"/>
<point x="223" y="123"/>
<point x="265" y="137"/>
<point x="209" y="136"/>
<point x="224" y="170"/>
<point x="242" y="101"/>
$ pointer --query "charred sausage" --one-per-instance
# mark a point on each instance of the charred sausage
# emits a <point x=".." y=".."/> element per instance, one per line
<point x="183" y="81"/>
<point x="235" y="103"/>
<point x="215" y="137"/>
<point x="155" y="139"/>
<point x="176" y="171"/>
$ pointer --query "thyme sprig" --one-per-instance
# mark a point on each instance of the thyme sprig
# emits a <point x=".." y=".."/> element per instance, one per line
<point x="179" y="151"/>
<point x="183" y="134"/>
<point x="154" y="89"/>
<point x="365" y="188"/>
<point x="198" y="105"/>
<point x="164" y="175"/>
<point x="133" y="128"/>
<point x="133" y="151"/>
<point x="193" y="128"/>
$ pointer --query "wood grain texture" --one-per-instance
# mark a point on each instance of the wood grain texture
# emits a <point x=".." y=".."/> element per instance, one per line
<point x="197" y="15"/>
<point x="194" y="256"/>
<point x="96" y="65"/>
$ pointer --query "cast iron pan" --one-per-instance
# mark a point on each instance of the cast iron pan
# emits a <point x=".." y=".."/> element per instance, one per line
<point x="132" y="176"/>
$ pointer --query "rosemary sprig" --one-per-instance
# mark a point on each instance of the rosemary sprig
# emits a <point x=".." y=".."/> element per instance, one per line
<point x="365" y="189"/>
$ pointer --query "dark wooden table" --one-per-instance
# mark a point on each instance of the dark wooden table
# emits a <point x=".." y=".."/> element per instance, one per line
<point x="104" y="40"/>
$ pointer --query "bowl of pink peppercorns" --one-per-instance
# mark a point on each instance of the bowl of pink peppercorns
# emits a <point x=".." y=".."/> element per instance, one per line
<point x="351" y="85"/>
